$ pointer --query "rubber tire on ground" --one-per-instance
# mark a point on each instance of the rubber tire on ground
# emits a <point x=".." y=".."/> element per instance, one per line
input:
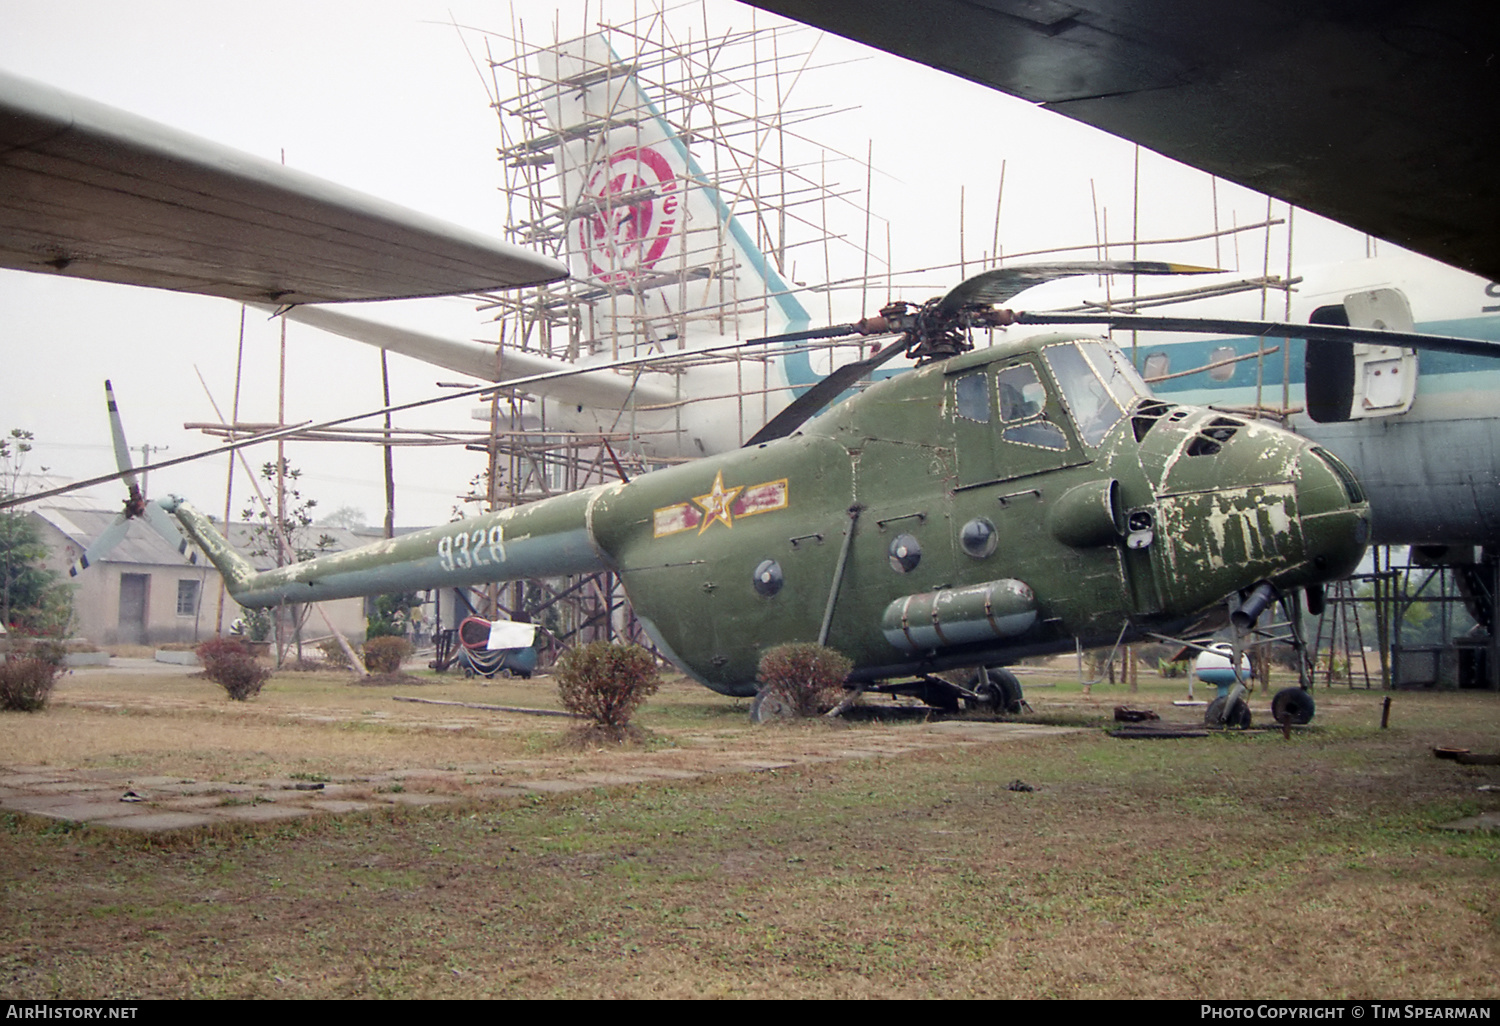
<point x="770" y="705"/>
<point x="1293" y="704"/>
<point x="1001" y="690"/>
<point x="1238" y="718"/>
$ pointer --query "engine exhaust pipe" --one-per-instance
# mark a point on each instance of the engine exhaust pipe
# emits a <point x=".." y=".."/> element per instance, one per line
<point x="1261" y="596"/>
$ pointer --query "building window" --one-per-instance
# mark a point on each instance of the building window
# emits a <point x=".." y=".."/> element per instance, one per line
<point x="187" y="598"/>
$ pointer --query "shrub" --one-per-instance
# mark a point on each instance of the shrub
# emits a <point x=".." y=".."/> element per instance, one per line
<point x="393" y="614"/>
<point x="606" y="682"/>
<point x="807" y="676"/>
<point x="27" y="676"/>
<point x="215" y="648"/>
<point x="229" y="664"/>
<point x="384" y="655"/>
<point x="333" y="653"/>
<point x="257" y="624"/>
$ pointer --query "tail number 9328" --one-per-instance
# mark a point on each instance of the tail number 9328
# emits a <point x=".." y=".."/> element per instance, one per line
<point x="468" y="549"/>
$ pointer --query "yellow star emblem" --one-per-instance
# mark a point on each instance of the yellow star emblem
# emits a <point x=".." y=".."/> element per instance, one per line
<point x="718" y="503"/>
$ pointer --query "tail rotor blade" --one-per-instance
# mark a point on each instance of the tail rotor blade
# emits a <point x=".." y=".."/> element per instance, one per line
<point x="117" y="433"/>
<point x="107" y="540"/>
<point x="164" y="524"/>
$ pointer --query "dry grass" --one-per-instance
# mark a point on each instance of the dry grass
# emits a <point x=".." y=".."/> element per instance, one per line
<point x="186" y="726"/>
<point x="326" y="723"/>
<point x="1233" y="866"/>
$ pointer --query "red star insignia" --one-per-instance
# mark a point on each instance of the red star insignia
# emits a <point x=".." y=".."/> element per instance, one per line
<point x="718" y="503"/>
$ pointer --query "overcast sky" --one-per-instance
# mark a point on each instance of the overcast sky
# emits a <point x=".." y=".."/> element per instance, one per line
<point x="384" y="97"/>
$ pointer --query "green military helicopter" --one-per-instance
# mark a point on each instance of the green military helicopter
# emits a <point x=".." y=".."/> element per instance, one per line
<point x="990" y="505"/>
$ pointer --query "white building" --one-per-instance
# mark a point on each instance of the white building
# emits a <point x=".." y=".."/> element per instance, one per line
<point x="145" y="592"/>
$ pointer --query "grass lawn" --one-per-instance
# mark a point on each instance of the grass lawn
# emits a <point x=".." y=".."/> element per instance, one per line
<point x="1224" y="867"/>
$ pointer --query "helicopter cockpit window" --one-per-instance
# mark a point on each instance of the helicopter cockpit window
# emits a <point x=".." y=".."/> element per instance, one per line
<point x="1023" y="405"/>
<point x="1089" y="400"/>
<point x="1122" y="380"/>
<point x="972" y="396"/>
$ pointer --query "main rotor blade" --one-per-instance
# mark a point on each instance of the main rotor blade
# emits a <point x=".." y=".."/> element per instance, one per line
<point x="810" y="403"/>
<point x="1276" y="329"/>
<point x="467" y="393"/>
<point x="1003" y="283"/>
<point x="117" y="433"/>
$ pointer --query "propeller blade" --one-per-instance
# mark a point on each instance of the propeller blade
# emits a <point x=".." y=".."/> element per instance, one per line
<point x="985" y="289"/>
<point x="164" y="524"/>
<point x="810" y="403"/>
<point x="467" y="393"/>
<point x="107" y="540"/>
<point x="117" y="433"/>
<point x="1003" y="283"/>
<point x="1276" y="329"/>
<point x="833" y="331"/>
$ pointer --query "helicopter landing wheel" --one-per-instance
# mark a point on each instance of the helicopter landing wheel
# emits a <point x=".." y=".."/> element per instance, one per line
<point x="1000" y="691"/>
<point x="1237" y="717"/>
<point x="770" y="705"/>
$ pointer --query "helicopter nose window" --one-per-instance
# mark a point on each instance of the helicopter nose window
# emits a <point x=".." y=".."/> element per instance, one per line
<point x="906" y="553"/>
<point x="768" y="579"/>
<point x="1087" y="396"/>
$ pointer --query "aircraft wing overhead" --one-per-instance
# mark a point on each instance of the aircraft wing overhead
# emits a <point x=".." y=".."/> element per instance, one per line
<point x="1377" y="115"/>
<point x="93" y="192"/>
<point x="485" y="362"/>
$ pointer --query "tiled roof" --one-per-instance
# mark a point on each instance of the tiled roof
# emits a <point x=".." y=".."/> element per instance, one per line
<point x="142" y="545"/>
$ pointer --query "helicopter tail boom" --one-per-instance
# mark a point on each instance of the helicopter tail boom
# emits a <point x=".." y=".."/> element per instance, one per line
<point x="236" y="570"/>
<point x="551" y="537"/>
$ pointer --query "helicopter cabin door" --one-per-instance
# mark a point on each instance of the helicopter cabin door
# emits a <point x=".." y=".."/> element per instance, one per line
<point x="1007" y="423"/>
